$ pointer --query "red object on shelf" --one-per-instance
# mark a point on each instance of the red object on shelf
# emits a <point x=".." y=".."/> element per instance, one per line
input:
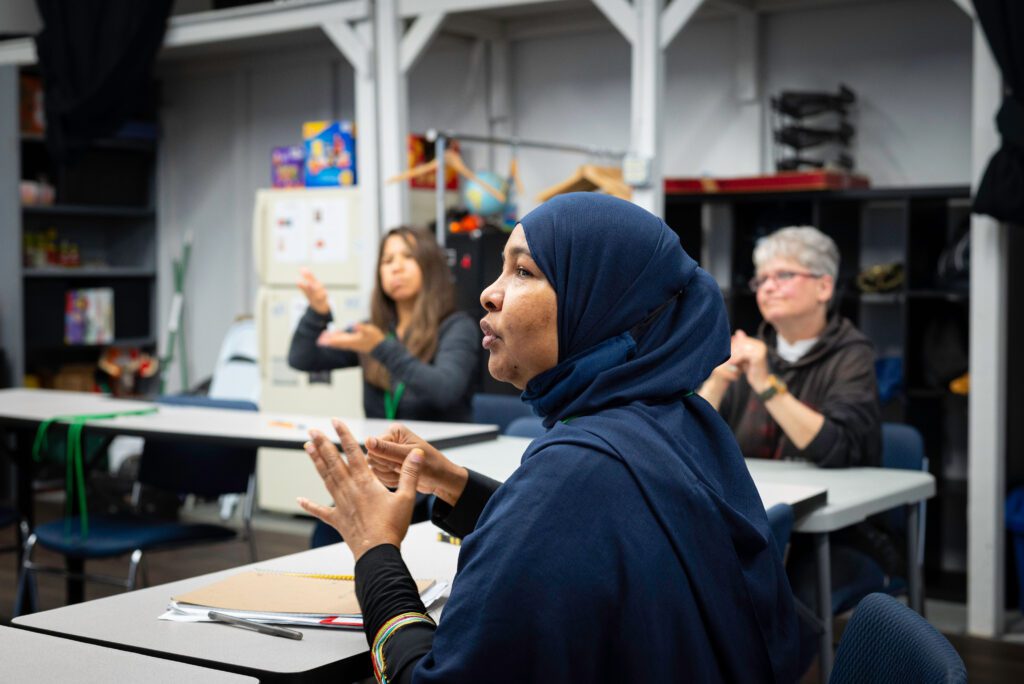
<point x="787" y="181"/>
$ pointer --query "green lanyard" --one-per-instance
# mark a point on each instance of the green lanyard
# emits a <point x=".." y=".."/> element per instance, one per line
<point x="391" y="401"/>
<point x="75" y="475"/>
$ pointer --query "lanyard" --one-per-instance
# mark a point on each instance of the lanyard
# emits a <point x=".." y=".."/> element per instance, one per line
<point x="391" y="401"/>
<point x="75" y="476"/>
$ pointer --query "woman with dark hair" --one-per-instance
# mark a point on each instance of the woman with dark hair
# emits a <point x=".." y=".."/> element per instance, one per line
<point x="630" y="544"/>
<point x="417" y="353"/>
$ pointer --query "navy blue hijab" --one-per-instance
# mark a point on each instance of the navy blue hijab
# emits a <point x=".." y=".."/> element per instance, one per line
<point x="631" y="544"/>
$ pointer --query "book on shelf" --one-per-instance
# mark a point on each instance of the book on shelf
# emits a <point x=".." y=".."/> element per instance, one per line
<point x="89" y="316"/>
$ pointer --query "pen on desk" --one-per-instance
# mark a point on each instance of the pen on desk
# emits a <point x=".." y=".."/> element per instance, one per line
<point x="272" y="630"/>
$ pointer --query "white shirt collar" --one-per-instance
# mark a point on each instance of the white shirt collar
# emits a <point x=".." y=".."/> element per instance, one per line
<point x="793" y="352"/>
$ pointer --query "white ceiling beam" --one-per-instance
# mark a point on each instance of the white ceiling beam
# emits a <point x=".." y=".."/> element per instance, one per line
<point x="258" y="20"/>
<point x="417" y="38"/>
<point x="747" y="67"/>
<point x="348" y="42"/>
<point x="18" y="52"/>
<point x="622" y="15"/>
<point x="413" y="8"/>
<point x="675" y="17"/>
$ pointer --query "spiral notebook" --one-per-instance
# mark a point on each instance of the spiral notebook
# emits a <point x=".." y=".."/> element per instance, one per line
<point x="283" y="598"/>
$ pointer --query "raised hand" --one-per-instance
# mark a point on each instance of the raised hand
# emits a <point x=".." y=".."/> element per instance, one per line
<point x="388" y="453"/>
<point x="365" y="512"/>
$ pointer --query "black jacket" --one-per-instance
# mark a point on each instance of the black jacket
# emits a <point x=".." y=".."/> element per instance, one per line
<point x="441" y="390"/>
<point x="837" y="379"/>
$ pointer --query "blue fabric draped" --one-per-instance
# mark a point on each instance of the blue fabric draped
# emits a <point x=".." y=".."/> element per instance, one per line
<point x="631" y="543"/>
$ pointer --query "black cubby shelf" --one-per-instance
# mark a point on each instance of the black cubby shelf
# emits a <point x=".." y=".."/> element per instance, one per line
<point x="86" y="272"/>
<point x="120" y="342"/>
<point x="918" y="227"/>
<point x="127" y="212"/>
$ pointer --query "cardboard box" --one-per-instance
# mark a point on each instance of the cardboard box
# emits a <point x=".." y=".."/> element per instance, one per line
<point x="330" y="153"/>
<point x="287" y="167"/>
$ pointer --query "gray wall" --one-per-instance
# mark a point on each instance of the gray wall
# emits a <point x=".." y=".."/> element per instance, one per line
<point x="10" y="224"/>
<point x="909" y="60"/>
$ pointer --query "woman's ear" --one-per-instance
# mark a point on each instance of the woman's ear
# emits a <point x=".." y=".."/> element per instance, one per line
<point x="826" y="288"/>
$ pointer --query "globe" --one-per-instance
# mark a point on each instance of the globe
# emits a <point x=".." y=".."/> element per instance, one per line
<point x="478" y="200"/>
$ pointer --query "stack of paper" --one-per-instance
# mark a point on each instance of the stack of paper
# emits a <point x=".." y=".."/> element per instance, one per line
<point x="283" y="598"/>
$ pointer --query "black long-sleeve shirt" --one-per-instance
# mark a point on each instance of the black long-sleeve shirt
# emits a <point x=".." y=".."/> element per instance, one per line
<point x="441" y="390"/>
<point x="385" y="588"/>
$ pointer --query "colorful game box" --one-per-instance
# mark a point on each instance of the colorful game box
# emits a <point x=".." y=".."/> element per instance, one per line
<point x="330" y="153"/>
<point x="89" y="316"/>
<point x="287" y="167"/>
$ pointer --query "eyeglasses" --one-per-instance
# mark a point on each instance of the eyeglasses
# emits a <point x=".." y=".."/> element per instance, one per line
<point x="780" y="278"/>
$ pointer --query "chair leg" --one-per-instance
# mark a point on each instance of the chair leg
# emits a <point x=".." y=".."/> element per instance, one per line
<point x="26" y="595"/>
<point x="133" y="569"/>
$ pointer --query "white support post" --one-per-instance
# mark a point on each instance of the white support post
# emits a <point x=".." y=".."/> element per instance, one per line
<point x="748" y="84"/>
<point x="648" y="102"/>
<point x="418" y="37"/>
<point x="356" y="44"/>
<point x="987" y="400"/>
<point x="392" y="114"/>
<point x="499" y="122"/>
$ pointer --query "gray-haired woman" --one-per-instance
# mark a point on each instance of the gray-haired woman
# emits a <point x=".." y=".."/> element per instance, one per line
<point x="804" y="388"/>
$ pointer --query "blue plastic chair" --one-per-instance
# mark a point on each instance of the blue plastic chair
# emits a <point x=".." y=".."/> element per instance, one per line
<point x="780" y="520"/>
<point x="499" y="409"/>
<point x="172" y="466"/>
<point x="525" y="426"/>
<point x="903" y="449"/>
<point x="886" y="642"/>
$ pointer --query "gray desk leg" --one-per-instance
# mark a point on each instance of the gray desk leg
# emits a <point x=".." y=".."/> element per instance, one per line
<point x="824" y="603"/>
<point x="915" y="583"/>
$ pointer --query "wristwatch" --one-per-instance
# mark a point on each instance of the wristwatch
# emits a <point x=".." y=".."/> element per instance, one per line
<point x="775" y="386"/>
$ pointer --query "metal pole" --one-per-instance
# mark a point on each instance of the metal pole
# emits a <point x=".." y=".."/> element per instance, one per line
<point x="439" y="187"/>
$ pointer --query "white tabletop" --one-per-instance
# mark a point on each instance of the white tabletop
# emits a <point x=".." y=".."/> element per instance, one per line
<point x="213" y="425"/>
<point x="28" y="656"/>
<point x="498" y="460"/>
<point x="130" y="621"/>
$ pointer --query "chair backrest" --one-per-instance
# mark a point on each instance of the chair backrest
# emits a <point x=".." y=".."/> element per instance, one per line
<point x="236" y="375"/>
<point x="188" y="467"/>
<point x="526" y="426"/>
<point x="498" y="409"/>
<point x="886" y="642"/>
<point x="780" y="520"/>
<point x="903" y="449"/>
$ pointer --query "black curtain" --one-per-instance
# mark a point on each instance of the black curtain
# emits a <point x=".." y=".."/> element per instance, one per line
<point x="1001" y="193"/>
<point x="96" y="58"/>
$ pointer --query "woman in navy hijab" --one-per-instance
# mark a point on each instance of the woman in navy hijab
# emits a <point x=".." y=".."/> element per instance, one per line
<point x="630" y="545"/>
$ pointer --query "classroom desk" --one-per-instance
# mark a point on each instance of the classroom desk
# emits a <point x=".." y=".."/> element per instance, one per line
<point x="32" y="657"/>
<point x="129" y="621"/>
<point x="853" y="495"/>
<point x="22" y="410"/>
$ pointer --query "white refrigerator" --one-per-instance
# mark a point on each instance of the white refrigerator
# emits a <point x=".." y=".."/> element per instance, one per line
<point x="323" y="230"/>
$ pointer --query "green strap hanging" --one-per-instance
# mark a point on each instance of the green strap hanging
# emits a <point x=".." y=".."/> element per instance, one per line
<point x="75" y="462"/>
<point x="391" y="401"/>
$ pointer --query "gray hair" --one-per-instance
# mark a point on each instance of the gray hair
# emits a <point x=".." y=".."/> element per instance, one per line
<point x="807" y="245"/>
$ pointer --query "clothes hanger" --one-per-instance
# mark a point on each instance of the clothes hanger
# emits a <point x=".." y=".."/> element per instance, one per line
<point x="590" y="177"/>
<point x="454" y="160"/>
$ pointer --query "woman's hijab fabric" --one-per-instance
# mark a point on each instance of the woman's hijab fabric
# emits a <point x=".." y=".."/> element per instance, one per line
<point x="631" y="544"/>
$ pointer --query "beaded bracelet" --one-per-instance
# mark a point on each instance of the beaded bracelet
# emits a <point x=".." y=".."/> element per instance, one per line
<point x="385" y="632"/>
